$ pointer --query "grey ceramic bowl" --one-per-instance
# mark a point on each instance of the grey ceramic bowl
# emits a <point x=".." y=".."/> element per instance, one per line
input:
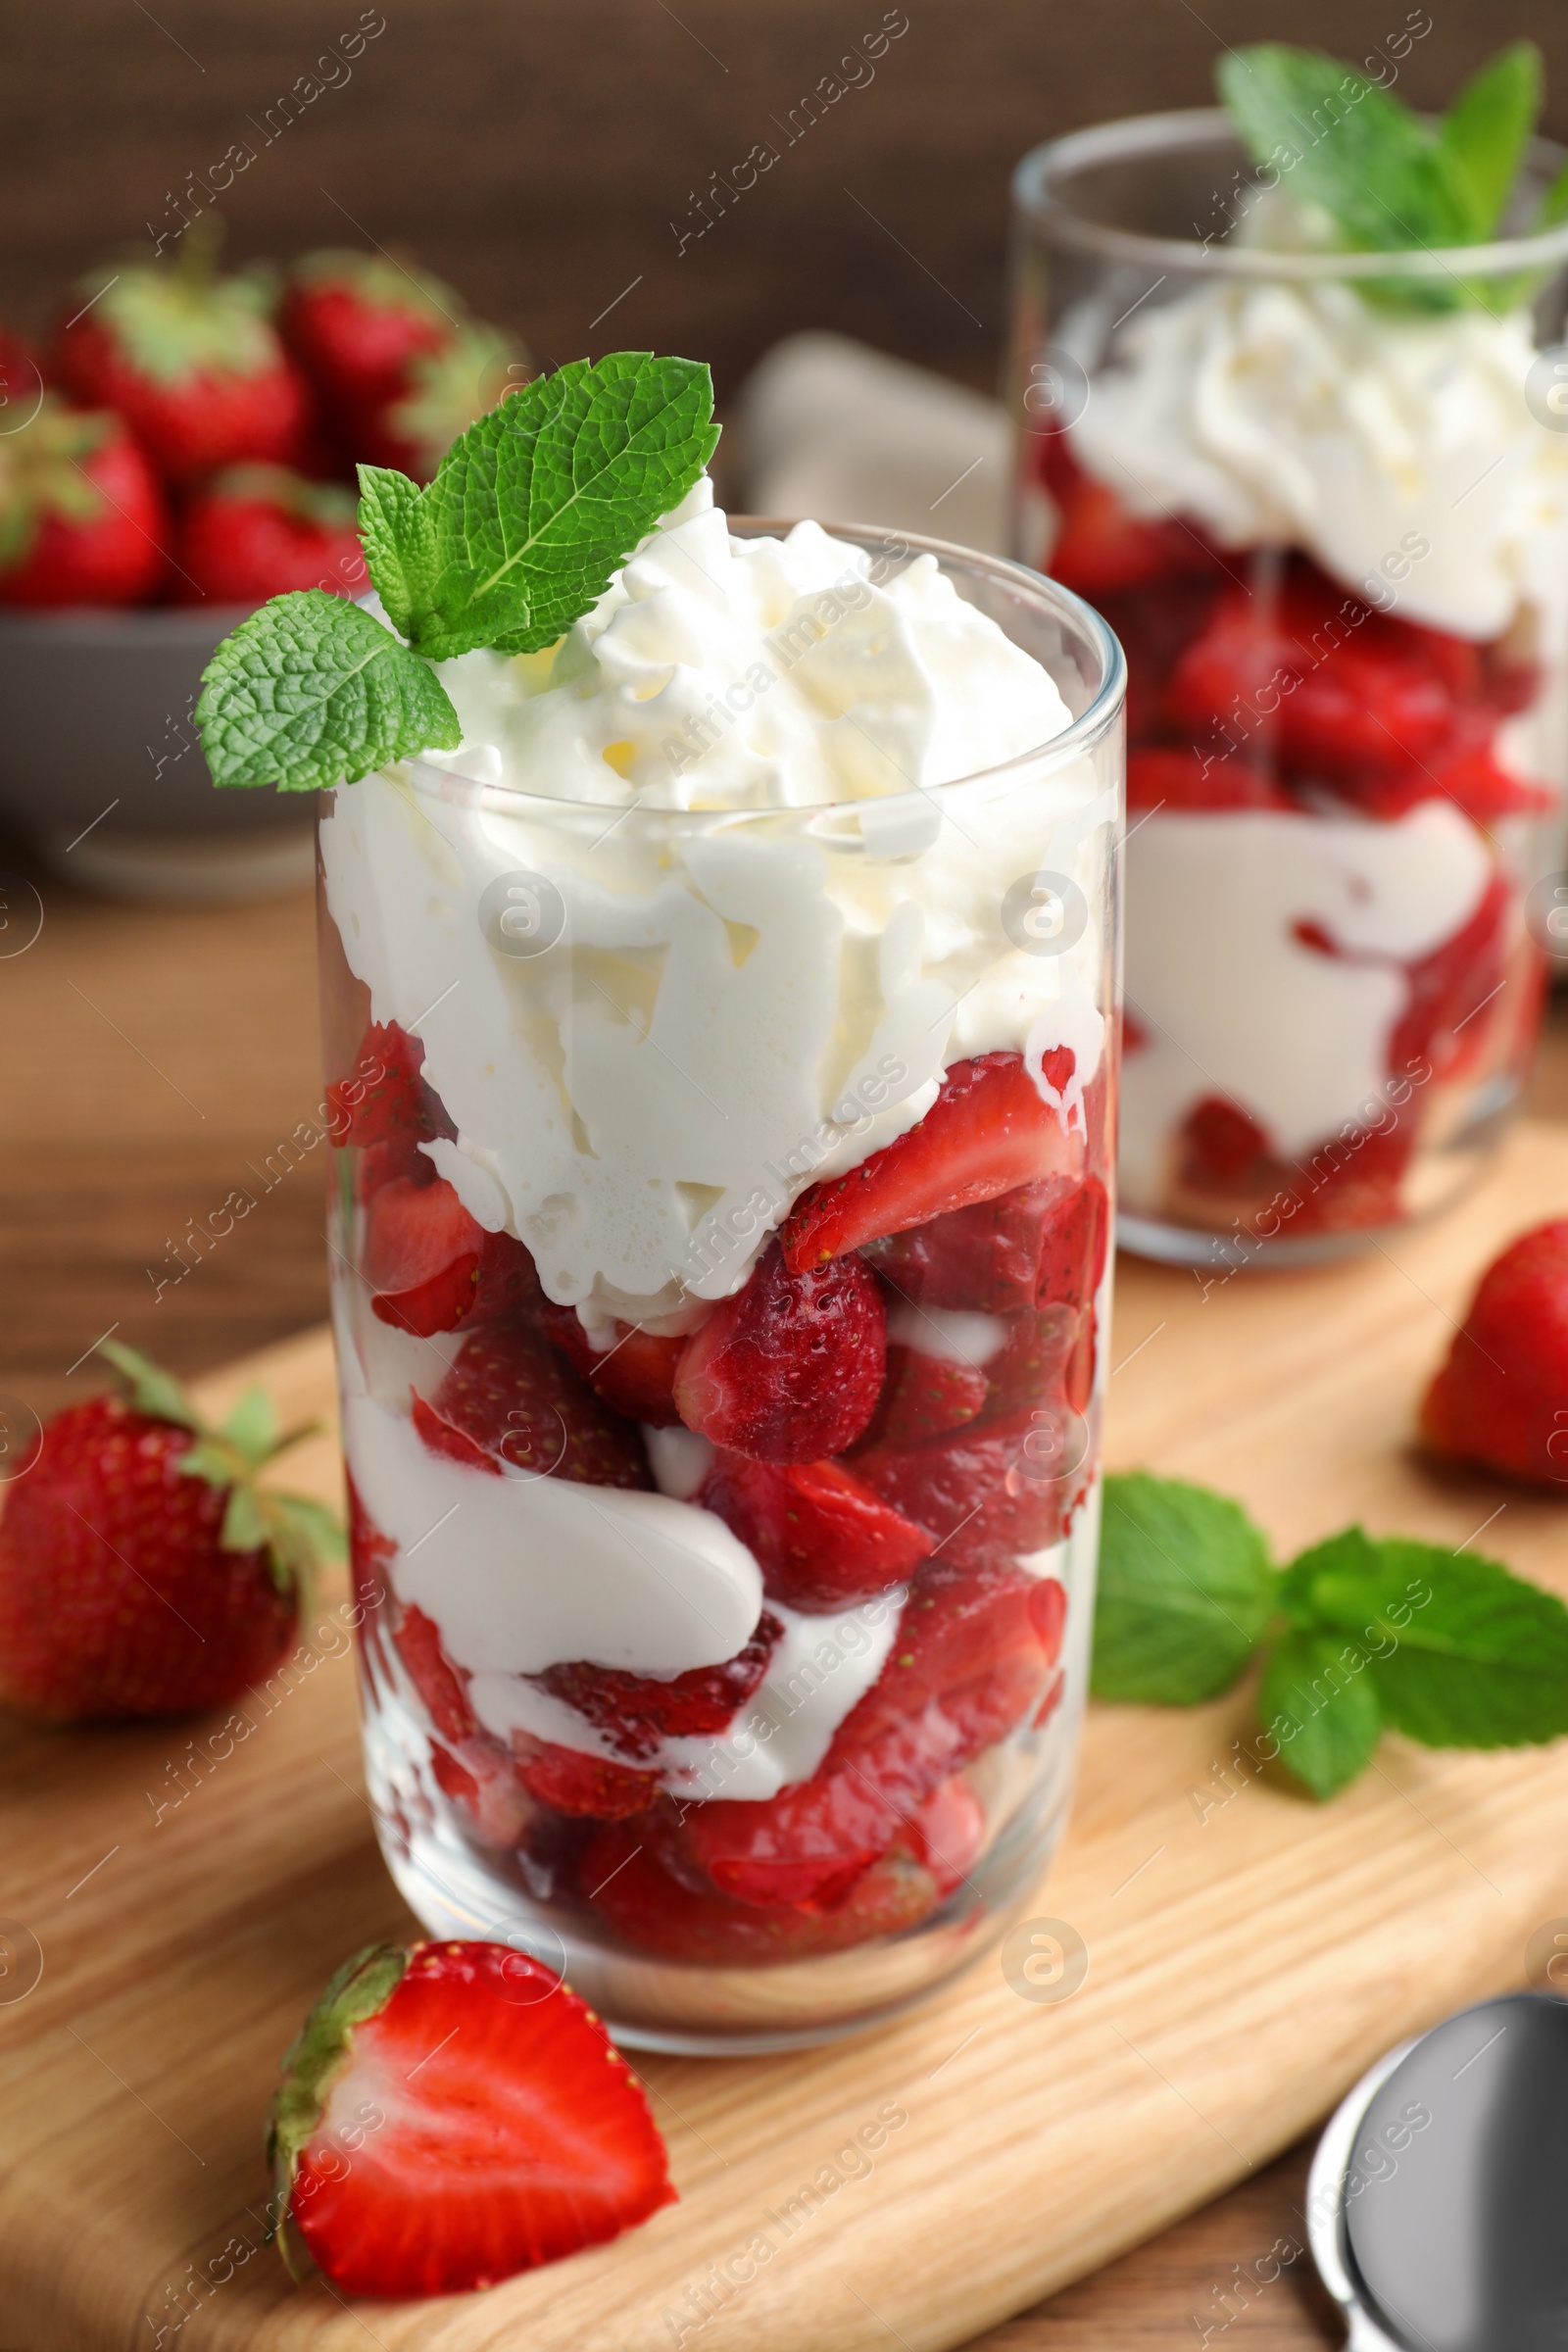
<point x="101" y="770"/>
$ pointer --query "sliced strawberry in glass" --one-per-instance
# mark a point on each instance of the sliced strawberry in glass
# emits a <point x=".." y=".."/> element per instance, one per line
<point x="821" y="1538"/>
<point x="385" y="1094"/>
<point x="1444" y="1019"/>
<point x="1035" y="1361"/>
<point x="989" y="1129"/>
<point x="959" y="1628"/>
<point x="638" y="1711"/>
<point x="634" y="1375"/>
<point x="1332" y="685"/>
<point x="946" y="1833"/>
<point x="508" y="1397"/>
<point x="485" y="1789"/>
<point x="1043" y="1243"/>
<point x="623" y="1879"/>
<point x="1100" y="544"/>
<point x="789" y="1368"/>
<point x="443" y="1687"/>
<point x="575" y="1781"/>
<point x="990" y="1490"/>
<point x="924" y="1396"/>
<point x="431" y="1267"/>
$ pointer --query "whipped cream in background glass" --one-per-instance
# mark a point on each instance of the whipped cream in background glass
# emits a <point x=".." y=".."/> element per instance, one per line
<point x="708" y="903"/>
<point x="1331" y="989"/>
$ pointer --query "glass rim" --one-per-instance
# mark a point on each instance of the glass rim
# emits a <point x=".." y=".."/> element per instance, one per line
<point x="452" y="785"/>
<point x="1129" y="135"/>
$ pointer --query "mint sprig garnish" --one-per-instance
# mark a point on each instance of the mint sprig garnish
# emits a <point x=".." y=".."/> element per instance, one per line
<point x="311" y="691"/>
<point x="1358" y="1636"/>
<point x="530" y="513"/>
<point x="1390" y="180"/>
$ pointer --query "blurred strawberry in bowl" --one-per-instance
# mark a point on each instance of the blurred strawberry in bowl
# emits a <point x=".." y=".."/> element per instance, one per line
<point x="190" y="359"/>
<point x="258" y="531"/>
<point x="399" y="366"/>
<point x="81" y="515"/>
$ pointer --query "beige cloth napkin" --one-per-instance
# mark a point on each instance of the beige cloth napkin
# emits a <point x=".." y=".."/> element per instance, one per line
<point x="831" y="429"/>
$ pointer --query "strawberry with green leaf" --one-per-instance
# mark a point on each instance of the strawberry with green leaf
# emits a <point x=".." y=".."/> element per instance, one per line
<point x="190" y="359"/>
<point x="144" y="1570"/>
<point x="81" y="516"/>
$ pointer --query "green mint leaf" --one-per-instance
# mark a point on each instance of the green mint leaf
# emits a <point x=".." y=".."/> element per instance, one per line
<point x="397" y="534"/>
<point x="1319" y="1702"/>
<point x="1335" y="1585"/>
<point x="1343" y="142"/>
<point x="1483" y="137"/>
<point x="311" y="692"/>
<point x="1483" y="1663"/>
<point x="1185" y="1589"/>
<point x="539" y="503"/>
<point x="152" y="1390"/>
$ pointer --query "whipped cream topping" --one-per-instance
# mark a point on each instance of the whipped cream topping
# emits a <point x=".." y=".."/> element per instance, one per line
<point x="756" y="674"/>
<point x="1397" y="451"/>
<point x="1241" y="1005"/>
<point x="732" y="1005"/>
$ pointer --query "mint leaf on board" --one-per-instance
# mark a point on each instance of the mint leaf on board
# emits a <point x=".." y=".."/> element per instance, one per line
<point x="1319" y="1703"/>
<point x="311" y="691"/>
<point x="399" y="541"/>
<point x="1483" y="1662"/>
<point x="1344" y="143"/>
<point x="538" y="504"/>
<point x="1483" y="137"/>
<point x="1185" y="1589"/>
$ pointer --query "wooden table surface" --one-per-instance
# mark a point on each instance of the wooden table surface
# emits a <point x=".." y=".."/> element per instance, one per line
<point x="155" y="1059"/>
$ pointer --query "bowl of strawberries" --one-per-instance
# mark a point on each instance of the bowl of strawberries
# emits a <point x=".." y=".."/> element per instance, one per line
<point x="178" y="449"/>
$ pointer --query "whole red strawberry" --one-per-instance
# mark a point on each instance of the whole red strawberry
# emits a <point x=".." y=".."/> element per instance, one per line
<point x="142" y="1572"/>
<point x="190" y="361"/>
<point x="357" y="322"/>
<point x="447" y="390"/>
<point x="82" y="518"/>
<point x="451" y="2115"/>
<point x="260" y="531"/>
<point x="1503" y="1396"/>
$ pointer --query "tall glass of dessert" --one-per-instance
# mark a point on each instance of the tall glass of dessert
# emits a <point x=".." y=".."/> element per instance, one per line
<point x="723" y="1047"/>
<point x="1322" y="497"/>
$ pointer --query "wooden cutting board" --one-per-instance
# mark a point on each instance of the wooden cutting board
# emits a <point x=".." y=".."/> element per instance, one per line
<point x="174" y="1897"/>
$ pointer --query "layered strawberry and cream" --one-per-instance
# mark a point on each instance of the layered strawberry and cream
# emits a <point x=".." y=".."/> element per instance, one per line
<point x="722" y="1239"/>
<point x="1334" y="541"/>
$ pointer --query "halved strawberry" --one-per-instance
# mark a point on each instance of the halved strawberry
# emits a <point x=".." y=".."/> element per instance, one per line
<point x="486" y="1791"/>
<point x="510" y="1397"/>
<point x="989" y="1129"/>
<point x="638" y="1711"/>
<point x="443" y="1688"/>
<point x="385" y="1094"/>
<point x="958" y="1630"/>
<point x="987" y="1491"/>
<point x="625" y="1880"/>
<point x="1335" y="687"/>
<point x="451" y="2115"/>
<point x="1501" y="1396"/>
<point x="946" y="1832"/>
<point x="789" y="1368"/>
<point x="821" y="1538"/>
<point x="431" y="1267"/>
<point x="634" y="1375"/>
<point x="575" y="1781"/>
<point x="924" y="1397"/>
<point x="1041" y="1244"/>
<point x="1035" y="1363"/>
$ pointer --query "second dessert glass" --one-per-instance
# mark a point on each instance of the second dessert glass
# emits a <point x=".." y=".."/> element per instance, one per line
<point x="888" y="1589"/>
<point x="1323" y="500"/>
